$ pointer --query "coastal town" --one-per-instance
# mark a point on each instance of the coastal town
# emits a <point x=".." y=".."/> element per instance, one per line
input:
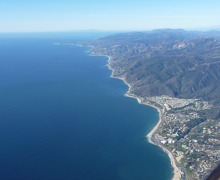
<point x="196" y="148"/>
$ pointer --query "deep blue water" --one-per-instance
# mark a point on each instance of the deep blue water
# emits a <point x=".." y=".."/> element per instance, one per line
<point x="63" y="118"/>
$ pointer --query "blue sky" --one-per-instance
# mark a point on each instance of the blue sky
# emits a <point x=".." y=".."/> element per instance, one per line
<point x="67" y="15"/>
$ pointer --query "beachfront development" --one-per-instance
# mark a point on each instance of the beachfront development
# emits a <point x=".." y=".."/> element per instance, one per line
<point x="193" y="142"/>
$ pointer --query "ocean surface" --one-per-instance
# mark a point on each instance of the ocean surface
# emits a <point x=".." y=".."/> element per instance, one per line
<point x="62" y="117"/>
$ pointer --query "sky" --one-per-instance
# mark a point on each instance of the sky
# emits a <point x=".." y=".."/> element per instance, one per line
<point x="107" y="15"/>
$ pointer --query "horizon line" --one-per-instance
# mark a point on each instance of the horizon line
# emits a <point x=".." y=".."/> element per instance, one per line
<point x="110" y="30"/>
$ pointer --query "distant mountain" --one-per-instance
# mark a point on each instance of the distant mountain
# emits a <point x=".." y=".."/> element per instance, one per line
<point x="177" y="63"/>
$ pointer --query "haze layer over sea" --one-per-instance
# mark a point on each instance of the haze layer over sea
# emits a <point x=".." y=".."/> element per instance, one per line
<point x="63" y="117"/>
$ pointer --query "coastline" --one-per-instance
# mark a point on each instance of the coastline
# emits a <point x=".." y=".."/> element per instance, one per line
<point x="151" y="135"/>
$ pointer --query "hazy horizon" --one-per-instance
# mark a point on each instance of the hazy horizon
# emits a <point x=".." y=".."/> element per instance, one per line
<point x="205" y="29"/>
<point x="120" y="15"/>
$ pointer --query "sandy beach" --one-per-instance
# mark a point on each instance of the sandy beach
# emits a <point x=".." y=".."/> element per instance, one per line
<point x="177" y="172"/>
<point x="150" y="136"/>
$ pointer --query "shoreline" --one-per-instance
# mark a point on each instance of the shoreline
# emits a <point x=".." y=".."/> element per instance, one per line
<point x="151" y="135"/>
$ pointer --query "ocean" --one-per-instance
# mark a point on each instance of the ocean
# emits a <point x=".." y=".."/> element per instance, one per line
<point x="63" y="117"/>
